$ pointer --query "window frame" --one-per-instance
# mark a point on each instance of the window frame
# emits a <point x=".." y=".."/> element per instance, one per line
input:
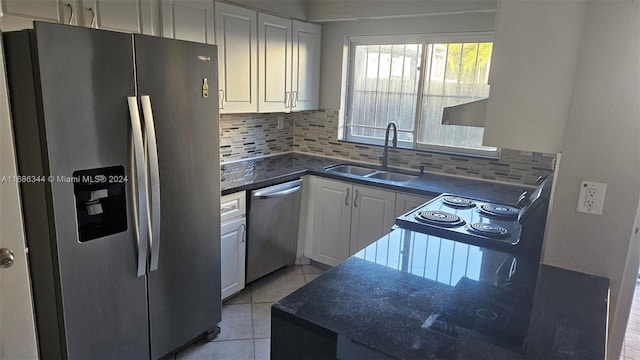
<point x="423" y="39"/>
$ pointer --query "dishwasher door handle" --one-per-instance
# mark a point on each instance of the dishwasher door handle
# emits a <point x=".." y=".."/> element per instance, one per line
<point x="278" y="190"/>
<point x="262" y="195"/>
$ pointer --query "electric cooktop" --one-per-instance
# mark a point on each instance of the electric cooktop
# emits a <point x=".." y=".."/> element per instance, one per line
<point x="465" y="219"/>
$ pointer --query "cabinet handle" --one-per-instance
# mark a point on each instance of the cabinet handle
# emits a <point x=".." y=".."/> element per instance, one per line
<point x="70" y="16"/>
<point x="221" y="99"/>
<point x="355" y="199"/>
<point x="244" y="233"/>
<point x="228" y="208"/>
<point x="93" y="18"/>
<point x="346" y="198"/>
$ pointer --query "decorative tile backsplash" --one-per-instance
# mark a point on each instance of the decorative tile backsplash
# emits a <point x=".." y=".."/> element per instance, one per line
<point x="244" y="136"/>
<point x="316" y="132"/>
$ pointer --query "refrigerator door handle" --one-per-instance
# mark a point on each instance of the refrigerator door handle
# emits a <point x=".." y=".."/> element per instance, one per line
<point x="141" y="185"/>
<point x="151" y="147"/>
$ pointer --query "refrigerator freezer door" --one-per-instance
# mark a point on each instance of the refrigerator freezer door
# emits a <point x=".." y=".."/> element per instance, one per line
<point x="88" y="300"/>
<point x="184" y="292"/>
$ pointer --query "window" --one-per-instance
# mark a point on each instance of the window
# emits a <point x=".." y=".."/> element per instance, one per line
<point x="410" y="82"/>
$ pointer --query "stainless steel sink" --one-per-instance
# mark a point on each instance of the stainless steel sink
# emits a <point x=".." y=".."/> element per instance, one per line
<point x="352" y="170"/>
<point x="371" y="173"/>
<point x="392" y="176"/>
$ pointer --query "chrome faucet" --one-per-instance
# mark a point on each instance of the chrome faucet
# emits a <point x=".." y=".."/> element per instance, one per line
<point x="385" y="153"/>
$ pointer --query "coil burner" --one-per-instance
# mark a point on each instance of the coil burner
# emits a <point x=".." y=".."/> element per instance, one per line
<point x="489" y="230"/>
<point x="440" y="218"/>
<point x="458" y="202"/>
<point x="499" y="210"/>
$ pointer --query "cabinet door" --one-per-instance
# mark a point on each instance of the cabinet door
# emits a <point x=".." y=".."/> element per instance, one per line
<point x="132" y="16"/>
<point x="306" y="65"/>
<point x="232" y="256"/>
<point x="331" y="211"/>
<point x="237" y="40"/>
<point x="20" y="14"/>
<point x="274" y="65"/>
<point x="191" y="20"/>
<point x="372" y="217"/>
<point x="408" y="202"/>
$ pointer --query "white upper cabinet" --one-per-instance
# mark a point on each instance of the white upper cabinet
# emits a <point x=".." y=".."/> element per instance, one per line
<point x="274" y="65"/>
<point x="132" y="16"/>
<point x="191" y="20"/>
<point x="533" y="67"/>
<point x="20" y="14"/>
<point x="118" y="15"/>
<point x="266" y="63"/>
<point x="306" y="66"/>
<point x="237" y="40"/>
<point x="289" y="64"/>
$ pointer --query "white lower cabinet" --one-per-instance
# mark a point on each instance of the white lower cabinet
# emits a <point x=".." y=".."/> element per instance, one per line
<point x="233" y="244"/>
<point x="331" y="220"/>
<point x="372" y="216"/>
<point x="345" y="218"/>
<point x="407" y="202"/>
<point x="232" y="256"/>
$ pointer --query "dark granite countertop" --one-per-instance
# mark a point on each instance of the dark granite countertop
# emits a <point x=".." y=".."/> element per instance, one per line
<point x="414" y="296"/>
<point x="257" y="173"/>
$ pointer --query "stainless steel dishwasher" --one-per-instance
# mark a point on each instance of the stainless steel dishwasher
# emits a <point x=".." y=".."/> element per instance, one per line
<point x="274" y="213"/>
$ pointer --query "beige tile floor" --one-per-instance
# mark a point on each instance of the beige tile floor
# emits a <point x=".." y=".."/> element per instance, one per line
<point x="246" y="317"/>
<point x="631" y="346"/>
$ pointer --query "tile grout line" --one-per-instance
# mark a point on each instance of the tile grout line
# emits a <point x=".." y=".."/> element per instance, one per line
<point x="253" y="333"/>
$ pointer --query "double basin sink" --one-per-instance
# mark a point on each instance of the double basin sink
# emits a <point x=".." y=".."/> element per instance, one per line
<point x="372" y="173"/>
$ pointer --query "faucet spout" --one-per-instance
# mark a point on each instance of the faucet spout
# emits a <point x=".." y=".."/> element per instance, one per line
<point x="385" y="153"/>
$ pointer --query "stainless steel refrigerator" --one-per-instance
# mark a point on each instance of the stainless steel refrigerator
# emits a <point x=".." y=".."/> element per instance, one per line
<point x="118" y="152"/>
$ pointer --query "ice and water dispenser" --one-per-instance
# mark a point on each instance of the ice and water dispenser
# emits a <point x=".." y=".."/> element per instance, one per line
<point x="101" y="204"/>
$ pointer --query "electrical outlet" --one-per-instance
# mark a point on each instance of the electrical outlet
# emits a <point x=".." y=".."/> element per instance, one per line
<point x="591" y="198"/>
<point x="280" y="122"/>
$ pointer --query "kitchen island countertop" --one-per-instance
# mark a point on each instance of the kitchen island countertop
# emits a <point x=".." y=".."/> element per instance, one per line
<point x="253" y="174"/>
<point x="413" y="296"/>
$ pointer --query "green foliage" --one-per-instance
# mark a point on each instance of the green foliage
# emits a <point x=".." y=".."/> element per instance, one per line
<point x="464" y="69"/>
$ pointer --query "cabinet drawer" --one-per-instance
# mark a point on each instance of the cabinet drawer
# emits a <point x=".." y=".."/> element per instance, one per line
<point x="232" y="206"/>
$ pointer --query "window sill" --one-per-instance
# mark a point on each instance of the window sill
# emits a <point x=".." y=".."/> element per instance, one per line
<point x="429" y="151"/>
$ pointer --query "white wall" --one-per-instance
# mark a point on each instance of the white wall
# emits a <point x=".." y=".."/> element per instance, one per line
<point x="534" y="58"/>
<point x="334" y="35"/>
<point x="602" y="143"/>
<point x="327" y="10"/>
